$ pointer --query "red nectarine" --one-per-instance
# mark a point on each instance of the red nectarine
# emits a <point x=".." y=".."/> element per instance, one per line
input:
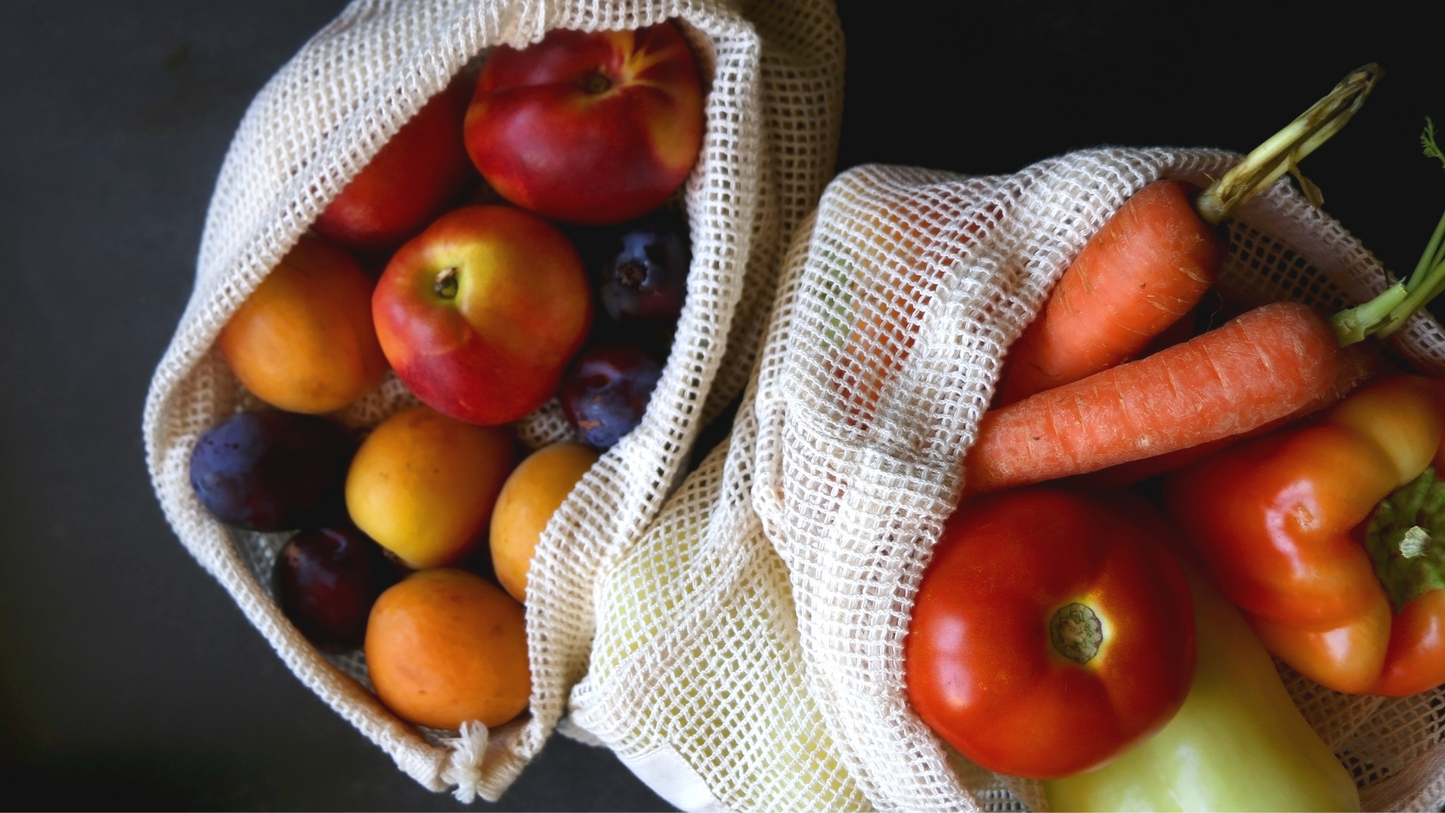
<point x="480" y="314"/>
<point x="589" y="128"/>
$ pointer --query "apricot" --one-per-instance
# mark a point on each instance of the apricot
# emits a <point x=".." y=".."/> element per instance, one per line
<point x="304" y="341"/>
<point x="529" y="498"/>
<point x="445" y="646"/>
<point x="423" y="485"/>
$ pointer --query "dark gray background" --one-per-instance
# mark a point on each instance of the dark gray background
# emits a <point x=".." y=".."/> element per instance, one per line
<point x="127" y="677"/>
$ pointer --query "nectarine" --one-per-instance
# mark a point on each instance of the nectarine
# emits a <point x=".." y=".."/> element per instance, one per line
<point x="408" y="183"/>
<point x="481" y="312"/>
<point x="589" y="127"/>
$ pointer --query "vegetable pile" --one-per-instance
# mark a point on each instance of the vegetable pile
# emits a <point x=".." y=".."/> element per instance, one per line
<point x="1297" y="468"/>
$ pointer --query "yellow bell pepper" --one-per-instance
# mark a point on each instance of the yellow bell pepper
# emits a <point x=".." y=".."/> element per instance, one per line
<point x="1238" y="743"/>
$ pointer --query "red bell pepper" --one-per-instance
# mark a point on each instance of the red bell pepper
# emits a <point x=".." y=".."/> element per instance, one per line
<point x="1324" y="533"/>
<point x="1050" y="634"/>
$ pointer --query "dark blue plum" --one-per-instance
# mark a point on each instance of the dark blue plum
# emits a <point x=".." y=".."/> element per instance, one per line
<point x="326" y="581"/>
<point x="271" y="470"/>
<point x="606" y="391"/>
<point x="642" y="273"/>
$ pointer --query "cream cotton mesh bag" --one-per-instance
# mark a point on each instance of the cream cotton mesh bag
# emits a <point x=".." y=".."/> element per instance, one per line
<point x="749" y="647"/>
<point x="772" y="73"/>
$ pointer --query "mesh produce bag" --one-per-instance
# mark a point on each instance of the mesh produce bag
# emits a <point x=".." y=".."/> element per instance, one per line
<point x="767" y="606"/>
<point x="772" y="72"/>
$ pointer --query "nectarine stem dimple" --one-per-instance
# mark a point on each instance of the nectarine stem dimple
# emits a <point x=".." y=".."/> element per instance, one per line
<point x="596" y="83"/>
<point x="446" y="284"/>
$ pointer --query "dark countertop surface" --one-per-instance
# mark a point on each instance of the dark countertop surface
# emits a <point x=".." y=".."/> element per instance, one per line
<point x="128" y="678"/>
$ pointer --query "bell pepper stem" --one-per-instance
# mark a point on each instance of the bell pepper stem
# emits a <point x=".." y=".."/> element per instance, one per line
<point x="1404" y="539"/>
<point x="1414" y="542"/>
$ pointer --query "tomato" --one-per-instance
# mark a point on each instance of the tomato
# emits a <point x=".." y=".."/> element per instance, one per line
<point x="1238" y="743"/>
<point x="1050" y="634"/>
<point x="1323" y="534"/>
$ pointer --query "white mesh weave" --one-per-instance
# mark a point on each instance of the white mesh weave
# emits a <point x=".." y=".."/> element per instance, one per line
<point x="773" y="73"/>
<point x="892" y="316"/>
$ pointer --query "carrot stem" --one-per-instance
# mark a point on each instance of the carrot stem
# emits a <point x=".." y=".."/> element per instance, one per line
<point x="1393" y="307"/>
<point x="1430" y="257"/>
<point x="1282" y="152"/>
<point x="1354" y="324"/>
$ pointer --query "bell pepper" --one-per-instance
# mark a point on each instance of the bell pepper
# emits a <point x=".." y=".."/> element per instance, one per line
<point x="1237" y="743"/>
<point x="1325" y="532"/>
<point x="1050" y="633"/>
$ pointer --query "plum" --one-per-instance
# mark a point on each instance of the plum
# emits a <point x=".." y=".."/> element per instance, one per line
<point x="269" y="470"/>
<point x="642" y="268"/>
<point x="606" y="392"/>
<point x="326" y="581"/>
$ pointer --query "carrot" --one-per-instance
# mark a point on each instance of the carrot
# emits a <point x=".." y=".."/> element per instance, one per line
<point x="1149" y="265"/>
<point x="1272" y="364"/>
<point x="1265" y="365"/>
<point x="1357" y="367"/>
<point x="1155" y="258"/>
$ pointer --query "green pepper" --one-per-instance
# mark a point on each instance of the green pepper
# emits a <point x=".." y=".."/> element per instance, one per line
<point x="1238" y="743"/>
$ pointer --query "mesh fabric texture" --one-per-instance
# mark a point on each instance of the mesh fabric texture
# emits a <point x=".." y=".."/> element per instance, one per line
<point x="895" y="309"/>
<point x="773" y="76"/>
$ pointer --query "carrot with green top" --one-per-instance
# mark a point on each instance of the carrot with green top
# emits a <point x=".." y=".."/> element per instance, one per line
<point x="1275" y="362"/>
<point x="1156" y="257"/>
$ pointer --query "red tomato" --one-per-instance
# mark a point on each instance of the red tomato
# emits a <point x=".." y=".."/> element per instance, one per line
<point x="1049" y="635"/>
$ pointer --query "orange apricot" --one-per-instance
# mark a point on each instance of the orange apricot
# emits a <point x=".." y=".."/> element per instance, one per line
<point x="445" y="647"/>
<point x="423" y="485"/>
<point x="304" y="341"/>
<point x="529" y="497"/>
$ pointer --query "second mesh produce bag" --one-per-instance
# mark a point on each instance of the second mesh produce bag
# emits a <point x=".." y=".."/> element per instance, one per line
<point x="750" y="651"/>
<point x="772" y="75"/>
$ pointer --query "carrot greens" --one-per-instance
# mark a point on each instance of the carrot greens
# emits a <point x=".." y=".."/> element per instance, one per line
<point x="1389" y="311"/>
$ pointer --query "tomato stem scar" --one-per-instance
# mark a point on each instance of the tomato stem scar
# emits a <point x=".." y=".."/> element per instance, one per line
<point x="1076" y="632"/>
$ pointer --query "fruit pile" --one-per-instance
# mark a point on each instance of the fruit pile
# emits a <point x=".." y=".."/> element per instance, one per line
<point x="517" y="241"/>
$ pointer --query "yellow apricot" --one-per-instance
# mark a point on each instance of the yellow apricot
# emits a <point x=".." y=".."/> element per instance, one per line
<point x="528" y="500"/>
<point x="423" y="485"/>
<point x="445" y="646"/>
<point x="303" y="340"/>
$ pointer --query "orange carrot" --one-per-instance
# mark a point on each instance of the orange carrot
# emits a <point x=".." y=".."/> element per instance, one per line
<point x="1357" y="367"/>
<point x="1149" y="265"/>
<point x="1272" y="364"/>
<point x="1265" y="365"/>
<point x="1156" y="257"/>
